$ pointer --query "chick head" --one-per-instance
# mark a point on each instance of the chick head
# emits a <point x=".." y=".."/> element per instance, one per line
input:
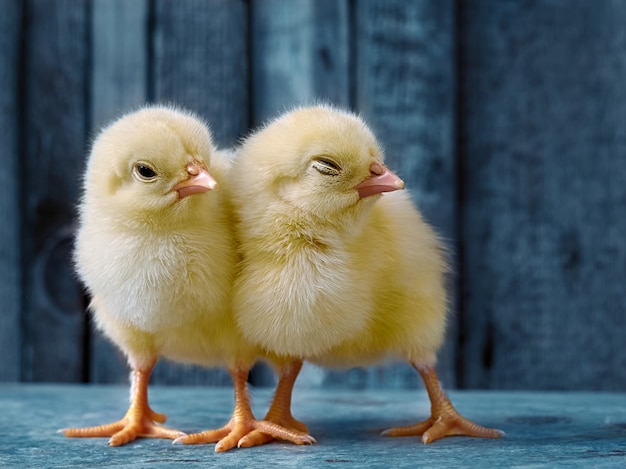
<point x="318" y="159"/>
<point x="150" y="161"/>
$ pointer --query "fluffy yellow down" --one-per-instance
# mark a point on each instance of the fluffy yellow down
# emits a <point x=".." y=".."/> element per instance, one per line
<point x="159" y="267"/>
<point x="327" y="276"/>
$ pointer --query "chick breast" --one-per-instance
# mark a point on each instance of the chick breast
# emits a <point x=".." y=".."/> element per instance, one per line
<point x="330" y="276"/>
<point x="160" y="268"/>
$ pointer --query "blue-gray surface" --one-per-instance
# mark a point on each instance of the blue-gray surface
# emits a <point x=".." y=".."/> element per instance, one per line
<point x="505" y="118"/>
<point x="542" y="429"/>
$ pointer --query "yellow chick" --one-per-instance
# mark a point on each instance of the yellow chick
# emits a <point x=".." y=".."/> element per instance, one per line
<point x="155" y="249"/>
<point x="334" y="271"/>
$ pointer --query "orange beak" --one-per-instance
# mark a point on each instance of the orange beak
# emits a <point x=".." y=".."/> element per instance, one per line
<point x="199" y="181"/>
<point x="381" y="180"/>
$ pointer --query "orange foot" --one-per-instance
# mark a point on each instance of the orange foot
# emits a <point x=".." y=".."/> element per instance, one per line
<point x="260" y="436"/>
<point x="136" y="423"/>
<point x="444" y="420"/>
<point x="229" y="435"/>
<point x="243" y="423"/>
<point x="280" y="410"/>
<point x="445" y="424"/>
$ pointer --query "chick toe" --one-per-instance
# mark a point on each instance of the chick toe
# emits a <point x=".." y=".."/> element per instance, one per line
<point x="243" y="423"/>
<point x="139" y="420"/>
<point x="444" y="420"/>
<point x="448" y="423"/>
<point x="279" y="412"/>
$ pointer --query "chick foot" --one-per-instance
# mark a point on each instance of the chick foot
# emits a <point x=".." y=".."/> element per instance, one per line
<point x="229" y="435"/>
<point x="444" y="420"/>
<point x="243" y="423"/>
<point x="136" y="423"/>
<point x="280" y="410"/>
<point x="139" y="421"/>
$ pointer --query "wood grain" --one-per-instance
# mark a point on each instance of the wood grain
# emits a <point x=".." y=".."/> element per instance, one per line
<point x="300" y="53"/>
<point x="10" y="201"/>
<point x="119" y="57"/>
<point x="506" y="120"/>
<point x="56" y="61"/>
<point x="549" y="429"/>
<point x="200" y="59"/>
<point x="543" y="143"/>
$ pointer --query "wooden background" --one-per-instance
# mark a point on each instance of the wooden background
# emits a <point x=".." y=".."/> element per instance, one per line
<point x="506" y="118"/>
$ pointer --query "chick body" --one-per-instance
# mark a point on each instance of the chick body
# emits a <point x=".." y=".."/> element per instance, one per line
<point x="159" y="267"/>
<point x="333" y="271"/>
<point x="349" y="300"/>
<point x="155" y="249"/>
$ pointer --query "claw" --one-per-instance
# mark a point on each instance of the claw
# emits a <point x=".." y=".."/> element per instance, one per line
<point x="139" y="421"/>
<point x="445" y="420"/>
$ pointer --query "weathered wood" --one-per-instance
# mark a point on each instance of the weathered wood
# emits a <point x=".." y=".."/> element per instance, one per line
<point x="300" y="53"/>
<point x="56" y="59"/>
<point x="541" y="138"/>
<point x="299" y="56"/>
<point x="10" y="268"/>
<point x="574" y="430"/>
<point x="543" y="143"/>
<point x="200" y="62"/>
<point x="405" y="88"/>
<point x="118" y="84"/>
<point x="119" y="63"/>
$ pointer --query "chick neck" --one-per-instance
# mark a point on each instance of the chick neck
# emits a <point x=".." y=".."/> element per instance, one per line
<point x="181" y="215"/>
<point x="289" y="228"/>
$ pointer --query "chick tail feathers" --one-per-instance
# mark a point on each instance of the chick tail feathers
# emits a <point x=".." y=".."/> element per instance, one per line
<point x="444" y="420"/>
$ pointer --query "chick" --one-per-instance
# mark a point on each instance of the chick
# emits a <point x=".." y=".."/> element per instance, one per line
<point x="334" y="271"/>
<point x="155" y="249"/>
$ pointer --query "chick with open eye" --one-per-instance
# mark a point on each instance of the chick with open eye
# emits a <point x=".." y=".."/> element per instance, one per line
<point x="333" y="270"/>
<point x="155" y="250"/>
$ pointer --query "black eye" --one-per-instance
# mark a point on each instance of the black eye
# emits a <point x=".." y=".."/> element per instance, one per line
<point x="326" y="166"/>
<point x="144" y="172"/>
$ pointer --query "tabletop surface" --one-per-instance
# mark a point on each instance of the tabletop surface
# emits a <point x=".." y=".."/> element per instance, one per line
<point x="547" y="429"/>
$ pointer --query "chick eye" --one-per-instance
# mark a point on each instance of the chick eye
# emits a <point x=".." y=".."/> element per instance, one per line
<point x="326" y="166"/>
<point x="144" y="172"/>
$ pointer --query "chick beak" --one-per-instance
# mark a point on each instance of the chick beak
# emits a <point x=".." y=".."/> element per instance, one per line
<point x="199" y="181"/>
<point x="381" y="180"/>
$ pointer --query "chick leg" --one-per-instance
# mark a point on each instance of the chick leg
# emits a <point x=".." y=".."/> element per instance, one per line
<point x="243" y="422"/>
<point x="139" y="419"/>
<point x="280" y="409"/>
<point x="444" y="419"/>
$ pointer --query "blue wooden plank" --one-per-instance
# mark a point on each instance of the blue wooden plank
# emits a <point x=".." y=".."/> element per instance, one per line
<point x="119" y="60"/>
<point x="200" y="61"/>
<point x="300" y="54"/>
<point x="119" y="57"/>
<point x="55" y="107"/>
<point x="543" y="430"/>
<point x="199" y="54"/>
<point x="10" y="268"/>
<point x="543" y="144"/>
<point x="405" y="88"/>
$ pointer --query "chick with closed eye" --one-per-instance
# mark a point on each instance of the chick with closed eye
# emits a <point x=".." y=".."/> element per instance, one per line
<point x="338" y="267"/>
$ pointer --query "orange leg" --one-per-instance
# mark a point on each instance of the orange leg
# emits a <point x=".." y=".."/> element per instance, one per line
<point x="280" y="410"/>
<point x="243" y="422"/>
<point x="139" y="420"/>
<point x="444" y="419"/>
